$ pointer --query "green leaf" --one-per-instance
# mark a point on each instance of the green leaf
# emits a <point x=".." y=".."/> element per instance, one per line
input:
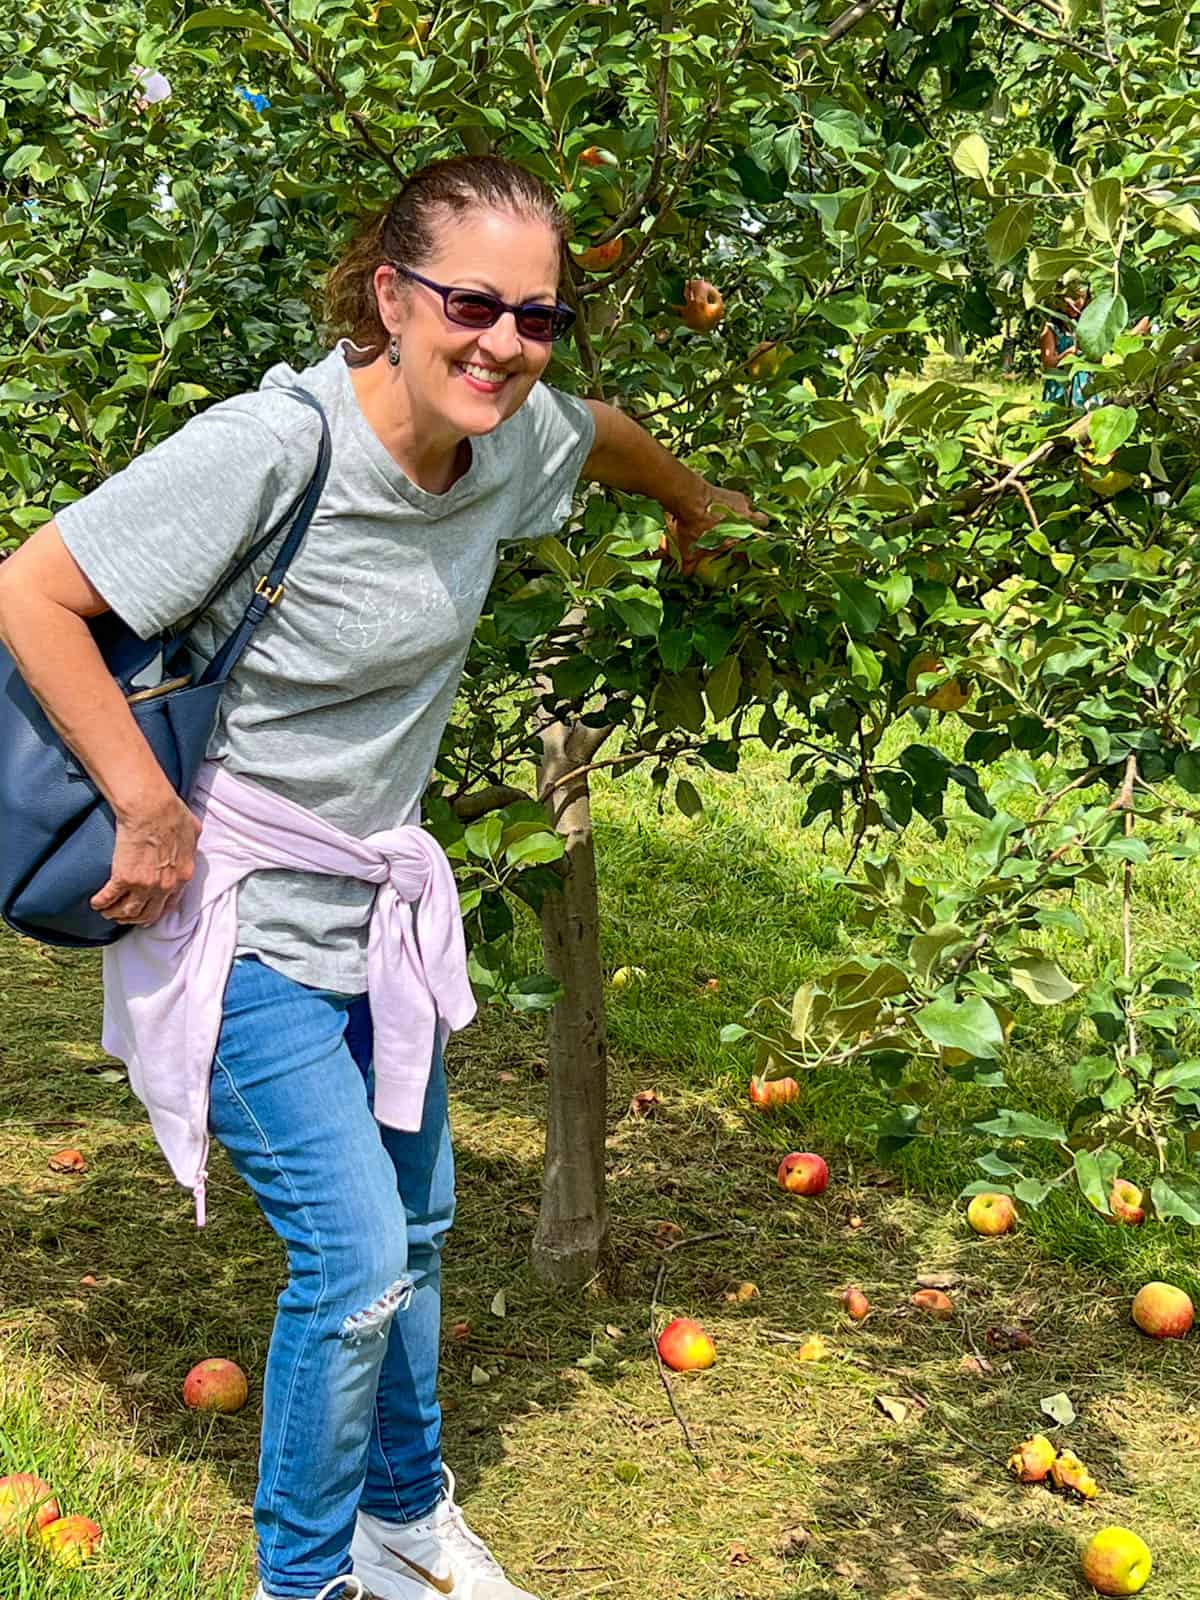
<point x="537" y="849"/>
<point x="222" y="17"/>
<point x="1187" y="771"/>
<point x="969" y="1025"/>
<point x="483" y="837"/>
<point x="150" y="298"/>
<point x="1110" y="426"/>
<point x="865" y="665"/>
<point x="687" y="798"/>
<point x="927" y="949"/>
<point x="1103" y="208"/>
<point x="22" y="158"/>
<point x="1092" y="1186"/>
<point x="970" y="155"/>
<point x="1059" y="1407"/>
<point x="723" y="688"/>
<point x="1180" y="1200"/>
<point x="1008" y="231"/>
<point x="538" y="993"/>
<point x="1020" y="1125"/>
<point x="1041" y="980"/>
<point x="640" y="609"/>
<point x="1102" y="320"/>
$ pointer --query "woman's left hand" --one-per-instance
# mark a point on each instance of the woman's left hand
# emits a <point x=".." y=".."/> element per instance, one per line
<point x="714" y="505"/>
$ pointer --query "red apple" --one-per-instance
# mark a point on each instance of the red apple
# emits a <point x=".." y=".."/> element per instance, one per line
<point x="935" y="1302"/>
<point x="1125" y="1202"/>
<point x="991" y="1213"/>
<point x="26" y="1504"/>
<point x="1162" y="1311"/>
<point x="70" y="1540"/>
<point x="803" y="1173"/>
<point x="215" y="1385"/>
<point x="593" y="156"/>
<point x="599" y="256"/>
<point x="703" y="305"/>
<point x="685" y="1347"/>
<point x="1032" y="1460"/>
<point x="765" y="1092"/>
<point x="856" y="1303"/>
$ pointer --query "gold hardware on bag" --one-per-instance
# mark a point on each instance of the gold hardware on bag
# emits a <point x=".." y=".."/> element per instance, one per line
<point x="159" y="689"/>
<point x="271" y="596"/>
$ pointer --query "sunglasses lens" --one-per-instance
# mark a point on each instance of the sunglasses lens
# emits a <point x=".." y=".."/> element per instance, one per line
<point x="473" y="310"/>
<point x="543" y="322"/>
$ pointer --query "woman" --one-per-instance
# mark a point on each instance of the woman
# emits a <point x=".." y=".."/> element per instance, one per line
<point x="1057" y="343"/>
<point x="444" y="444"/>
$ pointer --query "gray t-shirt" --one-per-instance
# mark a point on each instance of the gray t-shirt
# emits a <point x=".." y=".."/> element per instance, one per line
<point x="340" y="701"/>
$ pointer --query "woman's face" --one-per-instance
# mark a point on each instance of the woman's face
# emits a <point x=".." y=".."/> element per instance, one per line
<point x="472" y="379"/>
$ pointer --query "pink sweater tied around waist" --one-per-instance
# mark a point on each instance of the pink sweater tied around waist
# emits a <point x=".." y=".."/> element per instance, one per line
<point x="164" y="985"/>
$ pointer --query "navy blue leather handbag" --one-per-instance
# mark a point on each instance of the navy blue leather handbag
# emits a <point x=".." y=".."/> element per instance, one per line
<point x="57" y="832"/>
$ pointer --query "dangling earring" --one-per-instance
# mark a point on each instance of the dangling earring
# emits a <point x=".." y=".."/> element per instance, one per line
<point x="393" y="351"/>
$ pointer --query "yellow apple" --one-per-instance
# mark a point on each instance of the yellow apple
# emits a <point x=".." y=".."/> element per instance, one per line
<point x="1117" y="1562"/>
<point x="991" y="1213"/>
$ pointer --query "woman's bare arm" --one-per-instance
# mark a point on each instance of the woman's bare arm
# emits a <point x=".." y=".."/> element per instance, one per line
<point x="44" y="600"/>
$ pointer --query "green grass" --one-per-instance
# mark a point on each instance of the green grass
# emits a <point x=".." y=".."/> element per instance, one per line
<point x="569" y="1459"/>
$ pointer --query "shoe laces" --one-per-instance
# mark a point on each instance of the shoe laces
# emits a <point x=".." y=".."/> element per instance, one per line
<point x="448" y="1521"/>
<point x="344" y="1584"/>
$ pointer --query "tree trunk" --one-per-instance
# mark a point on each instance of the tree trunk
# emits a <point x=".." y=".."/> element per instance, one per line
<point x="573" y="1224"/>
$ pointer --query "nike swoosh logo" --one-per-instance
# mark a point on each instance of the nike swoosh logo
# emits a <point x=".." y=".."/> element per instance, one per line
<point x="442" y="1585"/>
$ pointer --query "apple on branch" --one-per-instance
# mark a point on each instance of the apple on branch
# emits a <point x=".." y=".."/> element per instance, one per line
<point x="598" y="257"/>
<point x="703" y="305"/>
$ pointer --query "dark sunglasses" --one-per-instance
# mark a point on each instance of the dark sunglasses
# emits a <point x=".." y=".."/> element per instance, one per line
<point x="473" y="308"/>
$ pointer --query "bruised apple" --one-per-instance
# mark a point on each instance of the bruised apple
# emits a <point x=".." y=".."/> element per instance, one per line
<point x="26" y="1503"/>
<point x="803" y="1173"/>
<point x="1032" y="1460"/>
<point x="1162" y="1311"/>
<point x="685" y="1347"/>
<point x="1117" y="1562"/>
<point x="70" y="1540"/>
<point x="1125" y="1203"/>
<point x="766" y="1092"/>
<point x="856" y="1303"/>
<point x="935" y="1303"/>
<point x="991" y="1214"/>
<point x="703" y="305"/>
<point x="599" y="256"/>
<point x="215" y="1385"/>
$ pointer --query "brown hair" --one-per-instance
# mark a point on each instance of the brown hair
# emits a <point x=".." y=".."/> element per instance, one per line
<point x="405" y="233"/>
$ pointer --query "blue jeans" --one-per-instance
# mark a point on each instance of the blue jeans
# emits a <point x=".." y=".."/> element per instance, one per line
<point x="350" y="1411"/>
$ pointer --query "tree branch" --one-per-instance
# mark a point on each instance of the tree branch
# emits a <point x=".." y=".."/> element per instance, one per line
<point x="331" y="84"/>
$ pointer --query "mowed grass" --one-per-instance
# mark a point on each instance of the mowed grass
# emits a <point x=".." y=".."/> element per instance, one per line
<point x="568" y="1456"/>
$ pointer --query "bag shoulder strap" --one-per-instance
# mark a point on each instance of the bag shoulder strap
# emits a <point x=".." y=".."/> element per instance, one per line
<point x="270" y="588"/>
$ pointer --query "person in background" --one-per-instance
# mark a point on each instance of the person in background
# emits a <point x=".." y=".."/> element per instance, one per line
<point x="1057" y="344"/>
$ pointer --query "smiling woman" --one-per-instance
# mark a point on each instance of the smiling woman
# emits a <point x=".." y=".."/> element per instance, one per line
<point x="293" y="995"/>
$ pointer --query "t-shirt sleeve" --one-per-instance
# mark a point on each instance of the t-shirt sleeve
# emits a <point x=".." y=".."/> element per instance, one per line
<point x="156" y="537"/>
<point x="558" y="433"/>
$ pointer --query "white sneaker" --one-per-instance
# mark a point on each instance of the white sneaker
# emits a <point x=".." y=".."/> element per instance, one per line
<point x="439" y="1555"/>
<point x="351" y="1589"/>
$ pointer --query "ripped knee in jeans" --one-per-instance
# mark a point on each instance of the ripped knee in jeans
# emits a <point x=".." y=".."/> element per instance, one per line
<point x="376" y="1317"/>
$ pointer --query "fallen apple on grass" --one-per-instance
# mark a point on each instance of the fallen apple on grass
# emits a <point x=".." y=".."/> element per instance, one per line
<point x="1125" y="1203"/>
<point x="803" y="1173"/>
<point x="856" y="1303"/>
<point x="992" y="1214"/>
<point x="215" y="1385"/>
<point x="1068" y="1472"/>
<point x="1032" y="1460"/>
<point x="935" y="1303"/>
<point x="27" y="1503"/>
<point x="766" y="1092"/>
<point x="684" y="1346"/>
<point x="1162" y="1311"/>
<point x="71" y="1540"/>
<point x="1117" y="1562"/>
<point x="814" y="1348"/>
